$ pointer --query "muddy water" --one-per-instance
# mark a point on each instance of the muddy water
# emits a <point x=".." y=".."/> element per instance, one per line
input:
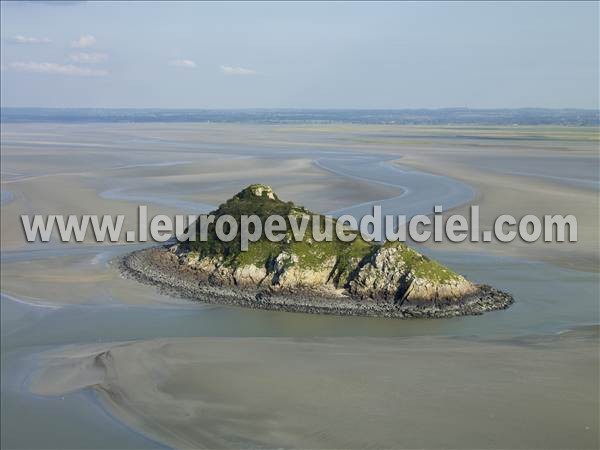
<point x="55" y="295"/>
<point x="78" y="420"/>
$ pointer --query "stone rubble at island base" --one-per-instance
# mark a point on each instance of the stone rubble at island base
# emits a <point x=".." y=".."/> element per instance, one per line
<point x="372" y="291"/>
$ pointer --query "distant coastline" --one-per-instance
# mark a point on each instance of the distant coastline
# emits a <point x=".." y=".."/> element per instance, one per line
<point x="442" y="116"/>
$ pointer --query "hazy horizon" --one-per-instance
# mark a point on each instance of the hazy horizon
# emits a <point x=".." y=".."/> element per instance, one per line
<point x="446" y="116"/>
<point x="293" y="108"/>
<point x="363" y="56"/>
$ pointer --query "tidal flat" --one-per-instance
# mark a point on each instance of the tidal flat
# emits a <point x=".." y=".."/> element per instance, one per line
<point x="190" y="375"/>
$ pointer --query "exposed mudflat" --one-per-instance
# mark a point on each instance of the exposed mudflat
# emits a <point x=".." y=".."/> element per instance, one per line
<point x="387" y="383"/>
<point x="534" y="392"/>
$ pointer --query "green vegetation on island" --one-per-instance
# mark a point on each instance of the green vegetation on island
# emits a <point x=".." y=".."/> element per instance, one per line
<point x="304" y="272"/>
<point x="261" y="201"/>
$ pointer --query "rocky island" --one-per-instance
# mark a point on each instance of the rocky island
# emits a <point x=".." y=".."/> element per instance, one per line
<point x="328" y="277"/>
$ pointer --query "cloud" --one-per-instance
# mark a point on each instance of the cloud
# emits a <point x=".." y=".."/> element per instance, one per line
<point x="88" y="58"/>
<point x="183" y="63"/>
<point x="56" y="69"/>
<point x="228" y="70"/>
<point x="84" y="41"/>
<point x="20" y="39"/>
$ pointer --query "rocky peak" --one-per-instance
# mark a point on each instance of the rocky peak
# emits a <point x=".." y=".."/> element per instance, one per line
<point x="391" y="272"/>
<point x="257" y="190"/>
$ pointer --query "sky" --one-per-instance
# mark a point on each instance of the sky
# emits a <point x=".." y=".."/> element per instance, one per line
<point x="299" y="55"/>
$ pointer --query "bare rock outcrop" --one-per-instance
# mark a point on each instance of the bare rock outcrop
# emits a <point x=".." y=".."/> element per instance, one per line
<point x="332" y="277"/>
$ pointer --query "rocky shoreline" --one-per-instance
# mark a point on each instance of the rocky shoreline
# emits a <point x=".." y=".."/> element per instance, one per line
<point x="161" y="267"/>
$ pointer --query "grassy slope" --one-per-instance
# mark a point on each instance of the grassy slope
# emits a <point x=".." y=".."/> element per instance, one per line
<point x="311" y="255"/>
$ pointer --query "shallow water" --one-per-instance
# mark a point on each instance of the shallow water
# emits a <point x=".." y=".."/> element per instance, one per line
<point x="540" y="290"/>
<point x="78" y="420"/>
<point x="580" y="172"/>
<point x="6" y="197"/>
<point x="418" y="191"/>
<point x="39" y="313"/>
<point x="71" y="421"/>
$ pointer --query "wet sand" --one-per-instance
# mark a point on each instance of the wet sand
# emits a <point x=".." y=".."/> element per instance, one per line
<point x="508" y="394"/>
<point x="343" y="392"/>
<point x="505" y="193"/>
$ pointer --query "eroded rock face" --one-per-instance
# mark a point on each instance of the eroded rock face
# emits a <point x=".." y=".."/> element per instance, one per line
<point x="304" y="275"/>
<point x="249" y="275"/>
<point x="172" y="274"/>
<point x="386" y="277"/>
<point x="289" y="273"/>
<point x="259" y="190"/>
<point x="285" y="273"/>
